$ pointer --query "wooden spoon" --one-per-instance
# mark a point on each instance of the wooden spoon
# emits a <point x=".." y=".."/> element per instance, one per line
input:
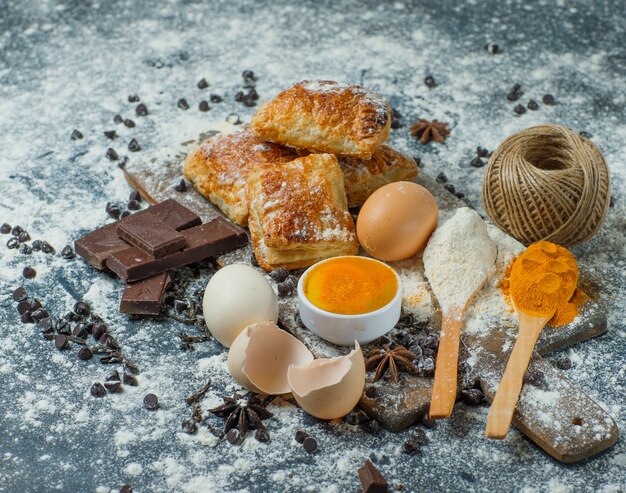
<point x="502" y="407"/>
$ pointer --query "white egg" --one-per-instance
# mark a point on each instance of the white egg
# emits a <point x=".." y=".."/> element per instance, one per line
<point x="235" y="297"/>
<point x="260" y="356"/>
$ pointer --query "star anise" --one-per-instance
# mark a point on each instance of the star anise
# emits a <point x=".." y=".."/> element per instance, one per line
<point x="385" y="358"/>
<point x="242" y="413"/>
<point x="427" y="131"/>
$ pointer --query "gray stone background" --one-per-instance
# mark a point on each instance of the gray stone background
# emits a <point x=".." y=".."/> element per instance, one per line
<point x="71" y="65"/>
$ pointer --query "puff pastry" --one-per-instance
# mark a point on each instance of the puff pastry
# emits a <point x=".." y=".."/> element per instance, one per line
<point x="299" y="212"/>
<point x="325" y="116"/>
<point x="363" y="177"/>
<point x="219" y="168"/>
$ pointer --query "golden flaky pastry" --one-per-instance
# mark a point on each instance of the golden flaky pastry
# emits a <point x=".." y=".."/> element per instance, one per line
<point x="325" y="116"/>
<point x="362" y="177"/>
<point x="299" y="212"/>
<point x="219" y="168"/>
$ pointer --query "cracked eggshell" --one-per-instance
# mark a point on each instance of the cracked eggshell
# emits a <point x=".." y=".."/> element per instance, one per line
<point x="329" y="388"/>
<point x="261" y="355"/>
<point x="235" y="297"/>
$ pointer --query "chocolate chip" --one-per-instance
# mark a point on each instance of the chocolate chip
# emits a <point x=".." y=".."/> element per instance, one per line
<point x="85" y="354"/>
<point x="118" y="119"/>
<point x="532" y="105"/>
<point x="126" y="489"/>
<point x="249" y="79"/>
<point x="372" y="426"/>
<point x="426" y="422"/>
<point x="262" y="435"/>
<point x="98" y="331"/>
<point x="215" y="98"/>
<point x="183" y="104"/>
<point x="98" y="390"/>
<point x="419" y="436"/>
<point x="113" y="387"/>
<point x="395" y="119"/>
<point x="301" y="436"/>
<point x="515" y="93"/>
<point x="129" y="123"/>
<point x="19" y="294"/>
<point x="135" y="195"/>
<point x="410" y="447"/>
<point x="124" y="214"/>
<point x="45" y="326"/>
<point x="371" y="392"/>
<point x="477" y="162"/>
<point x="279" y="275"/>
<point x="133" y="146"/>
<point x="233" y="119"/>
<point x="67" y="253"/>
<point x="81" y="308"/>
<point x="133" y="205"/>
<point x="356" y="417"/>
<point x="17" y="230"/>
<point x="13" y="243"/>
<point x="492" y="48"/>
<point x="36" y="245"/>
<point x="29" y="273"/>
<point x="310" y="444"/>
<point x="203" y="84"/>
<point x="111" y="154"/>
<point x="111" y="343"/>
<point x="204" y="106"/>
<point x="130" y="380"/>
<point x="26" y="318"/>
<point x="151" y="402"/>
<point x="441" y="178"/>
<point x="141" y="110"/>
<point x="5" y="229"/>
<point x="585" y="134"/>
<point x="473" y="397"/>
<point x="548" y="99"/>
<point x="76" y="135"/>
<point x="122" y="162"/>
<point x="535" y="378"/>
<point x="564" y="363"/>
<point x="181" y="186"/>
<point x="25" y="249"/>
<point x="133" y="98"/>
<point x="23" y="237"/>
<point x="429" y="80"/>
<point x="482" y="152"/>
<point x="47" y="247"/>
<point x="39" y="314"/>
<point x="189" y="426"/>
<point x="426" y="366"/>
<point x="233" y="436"/>
<point x="520" y="109"/>
<point x="23" y="307"/>
<point x="61" y="342"/>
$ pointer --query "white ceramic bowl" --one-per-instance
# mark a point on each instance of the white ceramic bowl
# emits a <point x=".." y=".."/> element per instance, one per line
<point x="345" y="329"/>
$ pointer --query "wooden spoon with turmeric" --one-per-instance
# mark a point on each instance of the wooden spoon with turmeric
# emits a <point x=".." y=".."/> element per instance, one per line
<point x="542" y="278"/>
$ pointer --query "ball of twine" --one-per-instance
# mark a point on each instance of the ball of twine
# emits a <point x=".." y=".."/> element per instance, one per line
<point x="547" y="183"/>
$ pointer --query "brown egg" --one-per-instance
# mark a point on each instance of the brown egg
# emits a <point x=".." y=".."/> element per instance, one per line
<point x="396" y="221"/>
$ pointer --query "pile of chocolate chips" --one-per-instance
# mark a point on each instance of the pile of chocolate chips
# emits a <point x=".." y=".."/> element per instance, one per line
<point x="250" y="97"/>
<point x="20" y="238"/>
<point x="75" y="328"/>
<point x="286" y="282"/>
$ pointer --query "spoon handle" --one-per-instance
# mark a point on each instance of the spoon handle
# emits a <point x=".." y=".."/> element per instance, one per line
<point x="503" y="405"/>
<point x="444" y="386"/>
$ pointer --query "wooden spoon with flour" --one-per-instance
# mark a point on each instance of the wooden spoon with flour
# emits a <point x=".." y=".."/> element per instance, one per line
<point x="459" y="258"/>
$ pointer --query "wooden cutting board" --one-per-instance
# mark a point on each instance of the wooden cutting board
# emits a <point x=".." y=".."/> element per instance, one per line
<point x="559" y="416"/>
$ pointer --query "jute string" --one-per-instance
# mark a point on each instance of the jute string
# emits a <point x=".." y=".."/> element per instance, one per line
<point x="547" y="183"/>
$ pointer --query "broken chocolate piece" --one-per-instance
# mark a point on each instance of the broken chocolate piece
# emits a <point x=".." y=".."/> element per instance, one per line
<point x="144" y="297"/>
<point x="371" y="479"/>
<point x="151" y="235"/>
<point x="97" y="246"/>
<point x="206" y="240"/>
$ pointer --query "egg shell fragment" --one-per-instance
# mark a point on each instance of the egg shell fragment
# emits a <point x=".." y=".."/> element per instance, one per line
<point x="396" y="221"/>
<point x="261" y="355"/>
<point x="237" y="296"/>
<point x="329" y="388"/>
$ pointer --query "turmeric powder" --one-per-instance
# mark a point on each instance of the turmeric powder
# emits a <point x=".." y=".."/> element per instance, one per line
<point x="543" y="278"/>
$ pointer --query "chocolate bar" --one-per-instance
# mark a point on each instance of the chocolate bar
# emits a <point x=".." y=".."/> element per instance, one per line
<point x="97" y="246"/>
<point x="206" y="240"/>
<point x="151" y="235"/>
<point x="144" y="297"/>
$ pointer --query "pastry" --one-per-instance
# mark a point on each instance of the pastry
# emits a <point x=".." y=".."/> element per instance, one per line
<point x="363" y="177"/>
<point x="299" y="212"/>
<point x="219" y="168"/>
<point x="325" y="116"/>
